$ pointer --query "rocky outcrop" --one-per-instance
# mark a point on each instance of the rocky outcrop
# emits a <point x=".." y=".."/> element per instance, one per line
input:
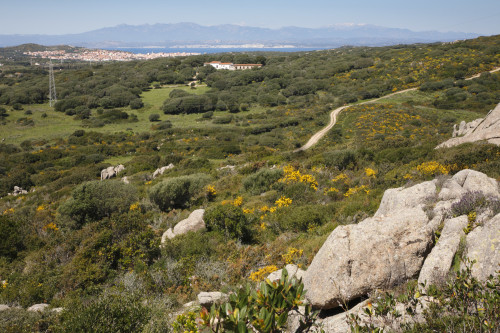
<point x="193" y="223"/>
<point x="389" y="248"/>
<point x="38" y="307"/>
<point x="161" y="170"/>
<point x="483" y="245"/>
<point x="17" y="191"/>
<point x="488" y="129"/>
<point x="465" y="128"/>
<point x="293" y="271"/>
<point x="206" y="299"/>
<point x="378" y="253"/>
<point x="4" y="307"/>
<point x="399" y="199"/>
<point x="438" y="262"/>
<point x="111" y="172"/>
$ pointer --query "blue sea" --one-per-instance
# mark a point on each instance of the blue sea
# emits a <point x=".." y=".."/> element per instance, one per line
<point x="208" y="50"/>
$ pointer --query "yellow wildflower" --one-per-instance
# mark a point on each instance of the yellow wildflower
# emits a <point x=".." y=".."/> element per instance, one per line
<point x="134" y="207"/>
<point x="283" y="202"/>
<point x="292" y="255"/>
<point x="262" y="273"/>
<point x="370" y="172"/>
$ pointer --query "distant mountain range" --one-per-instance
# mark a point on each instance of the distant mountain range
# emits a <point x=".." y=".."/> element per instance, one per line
<point x="191" y="34"/>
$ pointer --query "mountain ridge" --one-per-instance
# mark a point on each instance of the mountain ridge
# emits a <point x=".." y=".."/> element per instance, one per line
<point x="172" y="34"/>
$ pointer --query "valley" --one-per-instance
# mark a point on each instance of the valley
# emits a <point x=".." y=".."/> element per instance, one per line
<point x="217" y="184"/>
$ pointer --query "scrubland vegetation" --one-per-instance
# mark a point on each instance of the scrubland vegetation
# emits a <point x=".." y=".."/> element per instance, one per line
<point x="93" y="247"/>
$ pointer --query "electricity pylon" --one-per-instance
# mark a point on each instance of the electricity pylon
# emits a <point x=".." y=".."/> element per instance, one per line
<point x="52" y="86"/>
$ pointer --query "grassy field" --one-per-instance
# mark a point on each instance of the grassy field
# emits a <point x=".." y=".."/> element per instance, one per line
<point x="57" y="124"/>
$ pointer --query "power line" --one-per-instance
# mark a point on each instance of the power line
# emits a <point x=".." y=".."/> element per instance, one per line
<point x="52" y="86"/>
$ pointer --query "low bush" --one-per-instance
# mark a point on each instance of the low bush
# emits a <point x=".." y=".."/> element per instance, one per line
<point x="94" y="200"/>
<point x="262" y="180"/>
<point x="106" y="313"/>
<point x="11" y="236"/>
<point x="154" y="117"/>
<point x="229" y="220"/>
<point x="177" y="192"/>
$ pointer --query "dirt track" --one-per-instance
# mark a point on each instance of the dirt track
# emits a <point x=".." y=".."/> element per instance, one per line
<point x="333" y="115"/>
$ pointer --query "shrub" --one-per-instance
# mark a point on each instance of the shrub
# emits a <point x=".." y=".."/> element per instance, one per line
<point x="464" y="304"/>
<point x="177" y="192"/>
<point x="262" y="180"/>
<point x="12" y="240"/>
<point x="107" y="313"/>
<point x="163" y="125"/>
<point x="298" y="219"/>
<point x="222" y="119"/>
<point x="229" y="220"/>
<point x="470" y="202"/>
<point x="343" y="159"/>
<point x="178" y="93"/>
<point x="264" y="309"/>
<point x="136" y="104"/>
<point x="154" y="117"/>
<point x="20" y="320"/>
<point x="91" y="201"/>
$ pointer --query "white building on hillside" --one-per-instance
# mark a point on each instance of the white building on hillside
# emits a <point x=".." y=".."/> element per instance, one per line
<point x="221" y="65"/>
<point x="231" y="66"/>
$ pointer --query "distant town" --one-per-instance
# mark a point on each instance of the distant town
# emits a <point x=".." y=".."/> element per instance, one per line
<point x="103" y="55"/>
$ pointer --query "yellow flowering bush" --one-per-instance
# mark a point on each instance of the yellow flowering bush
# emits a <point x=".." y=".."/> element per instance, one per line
<point x="291" y="175"/>
<point x="262" y="273"/>
<point x="134" y="207"/>
<point x="370" y="173"/>
<point x="432" y="168"/>
<point x="236" y="202"/>
<point x="283" y="202"/>
<point x="354" y="190"/>
<point x="330" y="190"/>
<point x="292" y="255"/>
<point x="342" y="176"/>
<point x="211" y="192"/>
<point x="50" y="226"/>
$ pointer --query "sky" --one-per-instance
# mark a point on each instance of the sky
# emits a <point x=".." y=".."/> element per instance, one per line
<point x="72" y="16"/>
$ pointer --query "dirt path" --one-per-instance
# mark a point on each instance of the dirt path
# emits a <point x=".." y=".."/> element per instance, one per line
<point x="333" y="115"/>
<point x="333" y="120"/>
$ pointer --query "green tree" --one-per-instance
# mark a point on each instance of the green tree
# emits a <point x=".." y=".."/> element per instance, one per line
<point x="91" y="201"/>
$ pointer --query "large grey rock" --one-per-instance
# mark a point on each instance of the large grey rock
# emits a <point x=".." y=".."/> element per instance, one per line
<point x="161" y="170"/>
<point x="193" y="223"/>
<point x="111" y="172"/>
<point x="451" y="190"/>
<point x="18" y="190"/>
<point x="486" y="129"/>
<point x="378" y="253"/>
<point x="293" y="271"/>
<point x="38" y="307"/>
<point x="483" y="245"/>
<point x="206" y="299"/>
<point x="4" y="307"/>
<point x="472" y="181"/>
<point x="402" y="198"/>
<point x="438" y="262"/>
<point x="339" y="323"/>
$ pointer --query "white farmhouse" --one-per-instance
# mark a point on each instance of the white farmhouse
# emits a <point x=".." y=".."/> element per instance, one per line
<point x="231" y="66"/>
<point x="221" y="65"/>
